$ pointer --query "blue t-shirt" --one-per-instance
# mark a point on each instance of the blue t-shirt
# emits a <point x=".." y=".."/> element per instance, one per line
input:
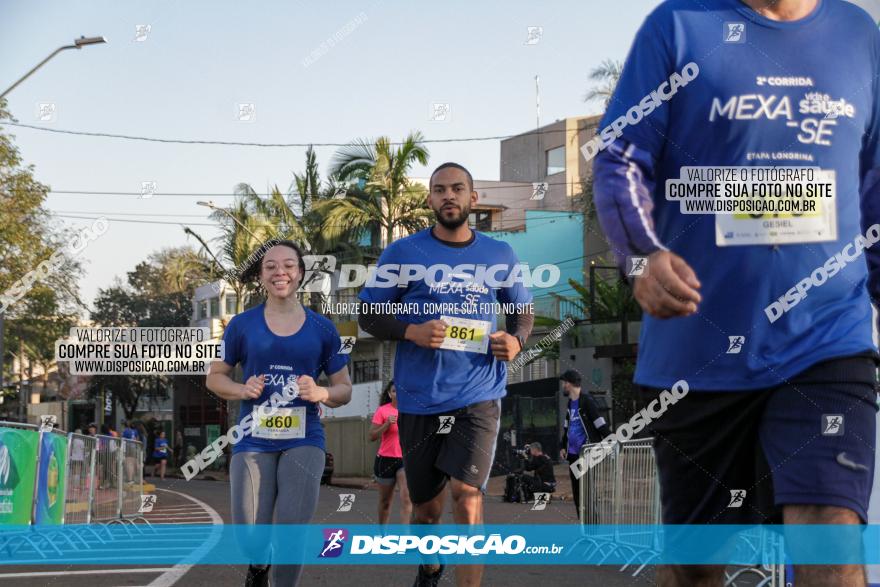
<point x="758" y="101"/>
<point x="160" y="449"/>
<point x="131" y="434"/>
<point x="432" y="381"/>
<point x="313" y="349"/>
<point x="577" y="435"/>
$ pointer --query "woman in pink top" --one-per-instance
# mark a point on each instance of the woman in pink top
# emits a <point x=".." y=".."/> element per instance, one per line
<point x="388" y="467"/>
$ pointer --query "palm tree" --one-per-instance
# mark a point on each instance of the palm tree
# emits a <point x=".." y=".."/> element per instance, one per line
<point x="613" y="301"/>
<point x="606" y="74"/>
<point x="179" y="268"/>
<point x="307" y="185"/>
<point x="277" y="215"/>
<point x="381" y="200"/>
<point x="242" y="233"/>
<point x="298" y="217"/>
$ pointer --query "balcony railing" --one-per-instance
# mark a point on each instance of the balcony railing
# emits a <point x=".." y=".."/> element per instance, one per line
<point x="560" y="309"/>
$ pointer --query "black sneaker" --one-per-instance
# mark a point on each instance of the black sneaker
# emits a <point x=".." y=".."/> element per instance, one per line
<point x="428" y="580"/>
<point x="257" y="576"/>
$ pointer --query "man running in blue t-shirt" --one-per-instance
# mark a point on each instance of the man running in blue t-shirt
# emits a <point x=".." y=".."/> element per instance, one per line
<point x="449" y="368"/>
<point x="765" y="315"/>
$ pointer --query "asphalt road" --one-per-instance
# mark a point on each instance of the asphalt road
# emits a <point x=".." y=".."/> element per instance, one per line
<point x="206" y="502"/>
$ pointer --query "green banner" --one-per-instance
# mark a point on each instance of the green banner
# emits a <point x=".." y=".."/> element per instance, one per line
<point x="51" y="479"/>
<point x="18" y="471"/>
<point x="212" y="432"/>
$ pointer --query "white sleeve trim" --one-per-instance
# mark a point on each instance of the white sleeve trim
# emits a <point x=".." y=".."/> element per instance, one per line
<point x="634" y="200"/>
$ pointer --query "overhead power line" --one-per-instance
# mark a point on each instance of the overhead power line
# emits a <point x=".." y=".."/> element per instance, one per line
<point x="515" y="184"/>
<point x="105" y="215"/>
<point x="256" y="144"/>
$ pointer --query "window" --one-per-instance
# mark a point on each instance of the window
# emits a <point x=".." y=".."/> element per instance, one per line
<point x="231" y="300"/>
<point x="366" y="371"/>
<point x="481" y="220"/>
<point x="556" y="160"/>
<point x="215" y="307"/>
<point x="203" y="310"/>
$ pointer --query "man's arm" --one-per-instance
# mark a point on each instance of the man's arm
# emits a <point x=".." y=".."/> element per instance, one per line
<point x="623" y="189"/>
<point x="520" y="324"/>
<point x="382" y="326"/>
<point x="623" y="192"/>
<point x="593" y="415"/>
<point x="870" y="197"/>
<point x="563" y="443"/>
<point x="624" y="170"/>
<point x="385" y="326"/>
<point x="869" y="184"/>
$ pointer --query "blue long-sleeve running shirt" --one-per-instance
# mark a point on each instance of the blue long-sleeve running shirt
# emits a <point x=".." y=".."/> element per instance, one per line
<point x="714" y="84"/>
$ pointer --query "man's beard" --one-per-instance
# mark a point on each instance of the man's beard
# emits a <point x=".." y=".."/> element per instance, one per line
<point x="453" y="223"/>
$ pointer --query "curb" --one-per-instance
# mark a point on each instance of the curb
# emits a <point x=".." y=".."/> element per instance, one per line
<point x="352" y="484"/>
<point x="199" y="477"/>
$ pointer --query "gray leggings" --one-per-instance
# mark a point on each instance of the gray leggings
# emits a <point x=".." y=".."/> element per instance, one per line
<point x="279" y="487"/>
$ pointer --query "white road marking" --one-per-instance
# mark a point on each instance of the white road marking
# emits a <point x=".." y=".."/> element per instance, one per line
<point x="87" y="572"/>
<point x="150" y="515"/>
<point x="169" y="578"/>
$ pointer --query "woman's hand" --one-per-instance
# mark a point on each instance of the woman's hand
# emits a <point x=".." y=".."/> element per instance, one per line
<point x="253" y="387"/>
<point x="311" y="391"/>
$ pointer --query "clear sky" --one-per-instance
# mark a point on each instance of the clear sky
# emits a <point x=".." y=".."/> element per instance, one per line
<point x="201" y="59"/>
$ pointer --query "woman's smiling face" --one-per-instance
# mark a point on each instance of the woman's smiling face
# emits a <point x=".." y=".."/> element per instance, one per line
<point x="280" y="272"/>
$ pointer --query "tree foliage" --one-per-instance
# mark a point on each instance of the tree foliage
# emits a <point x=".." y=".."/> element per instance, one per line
<point x="158" y="292"/>
<point x="29" y="236"/>
<point x="605" y="75"/>
<point x="381" y="199"/>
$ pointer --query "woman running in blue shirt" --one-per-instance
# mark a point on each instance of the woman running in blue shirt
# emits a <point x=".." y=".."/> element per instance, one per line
<point x="283" y="348"/>
<point x="160" y="455"/>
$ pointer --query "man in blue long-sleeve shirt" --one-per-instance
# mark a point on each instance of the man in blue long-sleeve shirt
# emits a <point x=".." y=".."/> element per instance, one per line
<point x="766" y="316"/>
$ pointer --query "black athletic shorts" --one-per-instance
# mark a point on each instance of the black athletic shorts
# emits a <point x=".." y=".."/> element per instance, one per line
<point x="736" y="457"/>
<point x="436" y="447"/>
<point x="385" y="469"/>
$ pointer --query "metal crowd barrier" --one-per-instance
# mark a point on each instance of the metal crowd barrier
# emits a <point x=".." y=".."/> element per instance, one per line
<point x="81" y="468"/>
<point x="103" y="477"/>
<point x="132" y="452"/>
<point x="637" y="492"/>
<point x="106" y="502"/>
<point x="622" y="489"/>
<point x="102" y="481"/>
<point x="19" y="425"/>
<point x="598" y="485"/>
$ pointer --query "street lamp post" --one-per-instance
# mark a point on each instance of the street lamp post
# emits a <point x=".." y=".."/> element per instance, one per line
<point x="77" y="44"/>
